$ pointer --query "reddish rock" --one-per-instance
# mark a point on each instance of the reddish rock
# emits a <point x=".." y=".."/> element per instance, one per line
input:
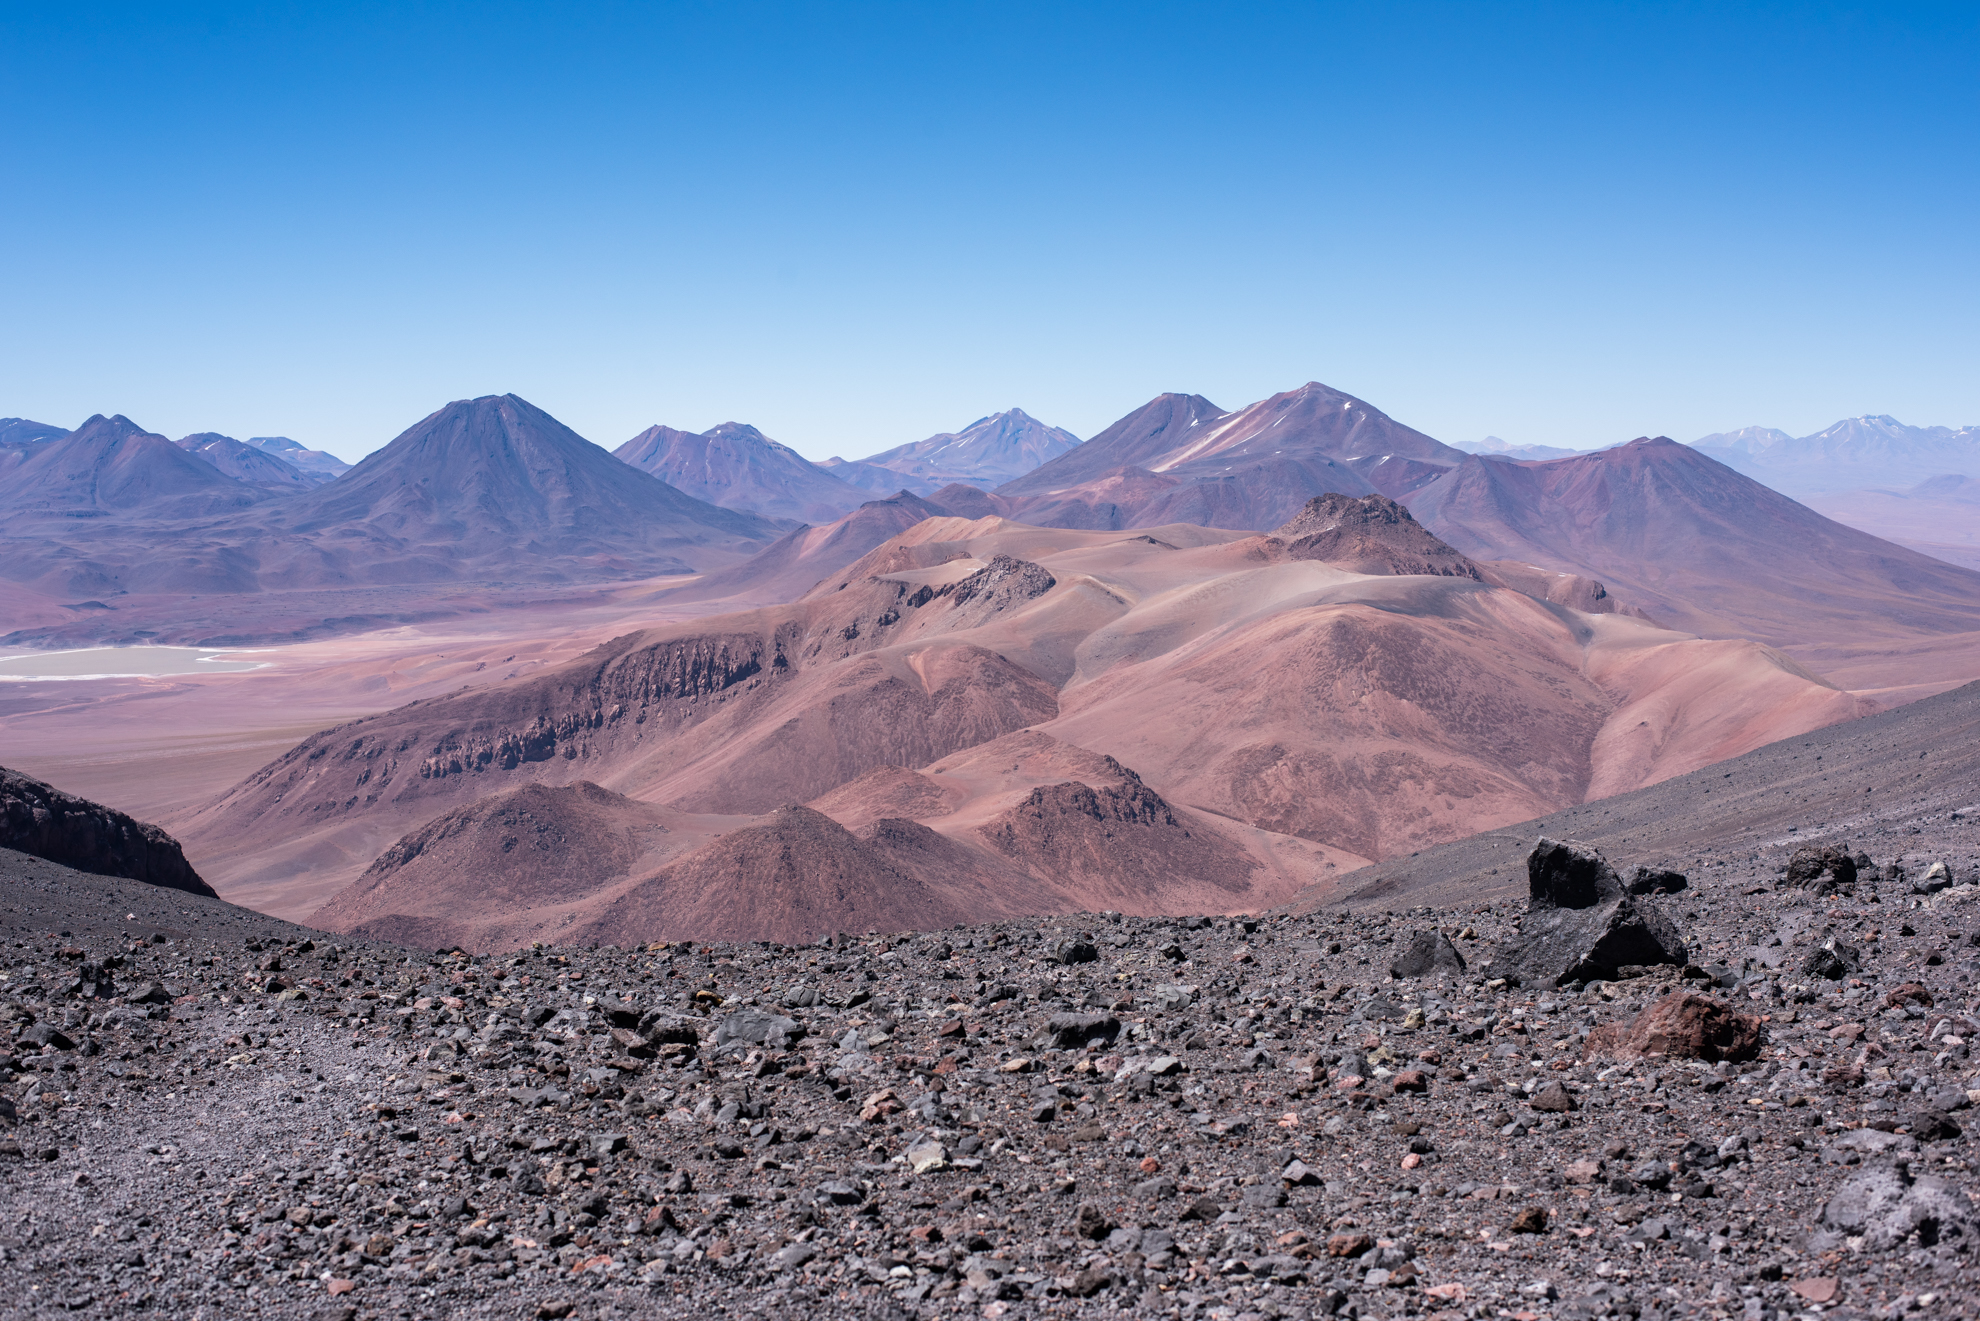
<point x="1909" y="993"/>
<point x="1682" y="1025"/>
<point x="1411" y="1080"/>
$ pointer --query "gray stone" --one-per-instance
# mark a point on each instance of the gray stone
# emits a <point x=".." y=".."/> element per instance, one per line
<point x="753" y="1027"/>
<point x="1887" y="1206"/>
<point x="1430" y="954"/>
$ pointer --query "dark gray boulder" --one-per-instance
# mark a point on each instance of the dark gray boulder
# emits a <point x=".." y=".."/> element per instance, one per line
<point x="1658" y="880"/>
<point x="1823" y="869"/>
<point x="1835" y="959"/>
<point x="1582" y="923"/>
<point x="1430" y="954"/>
<point x="40" y="819"/>
<point x="1071" y="1031"/>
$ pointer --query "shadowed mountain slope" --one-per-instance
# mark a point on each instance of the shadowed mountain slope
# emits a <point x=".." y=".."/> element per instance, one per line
<point x="40" y="819"/>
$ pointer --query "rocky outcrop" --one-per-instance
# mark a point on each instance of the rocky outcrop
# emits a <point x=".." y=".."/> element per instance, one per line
<point x="40" y="819"/>
<point x="1582" y="923"/>
<point x="1684" y="1026"/>
<point x="1372" y="534"/>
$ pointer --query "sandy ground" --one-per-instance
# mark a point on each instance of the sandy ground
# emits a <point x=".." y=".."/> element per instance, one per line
<point x="157" y="745"/>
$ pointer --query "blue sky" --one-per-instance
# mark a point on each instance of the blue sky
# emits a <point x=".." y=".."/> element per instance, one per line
<point x="855" y="225"/>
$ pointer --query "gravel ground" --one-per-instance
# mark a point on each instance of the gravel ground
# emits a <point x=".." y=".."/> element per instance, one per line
<point x="214" y="1114"/>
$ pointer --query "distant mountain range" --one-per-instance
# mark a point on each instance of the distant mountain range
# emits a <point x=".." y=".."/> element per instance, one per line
<point x="1493" y="445"/>
<point x="247" y="463"/>
<point x="484" y="490"/>
<point x="738" y="467"/>
<point x="1871" y="452"/>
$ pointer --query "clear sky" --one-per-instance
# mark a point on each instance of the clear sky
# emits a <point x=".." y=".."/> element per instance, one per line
<point x="855" y="225"/>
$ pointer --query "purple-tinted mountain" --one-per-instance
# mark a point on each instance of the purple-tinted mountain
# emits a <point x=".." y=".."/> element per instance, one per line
<point x="497" y="488"/>
<point x="22" y="431"/>
<point x="111" y="468"/>
<point x="990" y="450"/>
<point x="485" y="491"/>
<point x="321" y="463"/>
<point x="1180" y="458"/>
<point x="736" y="466"/>
<point x="1698" y="545"/>
<point x="244" y="462"/>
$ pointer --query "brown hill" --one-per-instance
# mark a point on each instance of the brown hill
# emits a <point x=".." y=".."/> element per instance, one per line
<point x="509" y="863"/>
<point x="736" y="466"/>
<point x="797" y="876"/>
<point x="1860" y="785"/>
<point x="40" y="819"/>
<point x="1322" y="715"/>
<point x="800" y="559"/>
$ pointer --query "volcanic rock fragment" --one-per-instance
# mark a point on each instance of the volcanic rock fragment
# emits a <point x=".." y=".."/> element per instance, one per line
<point x="1581" y="923"/>
<point x="1430" y="954"/>
<point x="1835" y="959"/>
<point x="1824" y="870"/>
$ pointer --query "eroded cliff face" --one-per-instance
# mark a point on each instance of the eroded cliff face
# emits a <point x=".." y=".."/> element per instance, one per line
<point x="40" y="819"/>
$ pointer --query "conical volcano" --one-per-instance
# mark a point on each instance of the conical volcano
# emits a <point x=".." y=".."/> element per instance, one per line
<point x="497" y="487"/>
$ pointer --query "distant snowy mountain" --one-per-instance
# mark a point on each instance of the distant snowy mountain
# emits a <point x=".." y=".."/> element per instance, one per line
<point x="248" y="463"/>
<point x="22" y="431"/>
<point x="988" y="452"/>
<point x="880" y="481"/>
<point x="298" y="455"/>
<point x="1875" y="451"/>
